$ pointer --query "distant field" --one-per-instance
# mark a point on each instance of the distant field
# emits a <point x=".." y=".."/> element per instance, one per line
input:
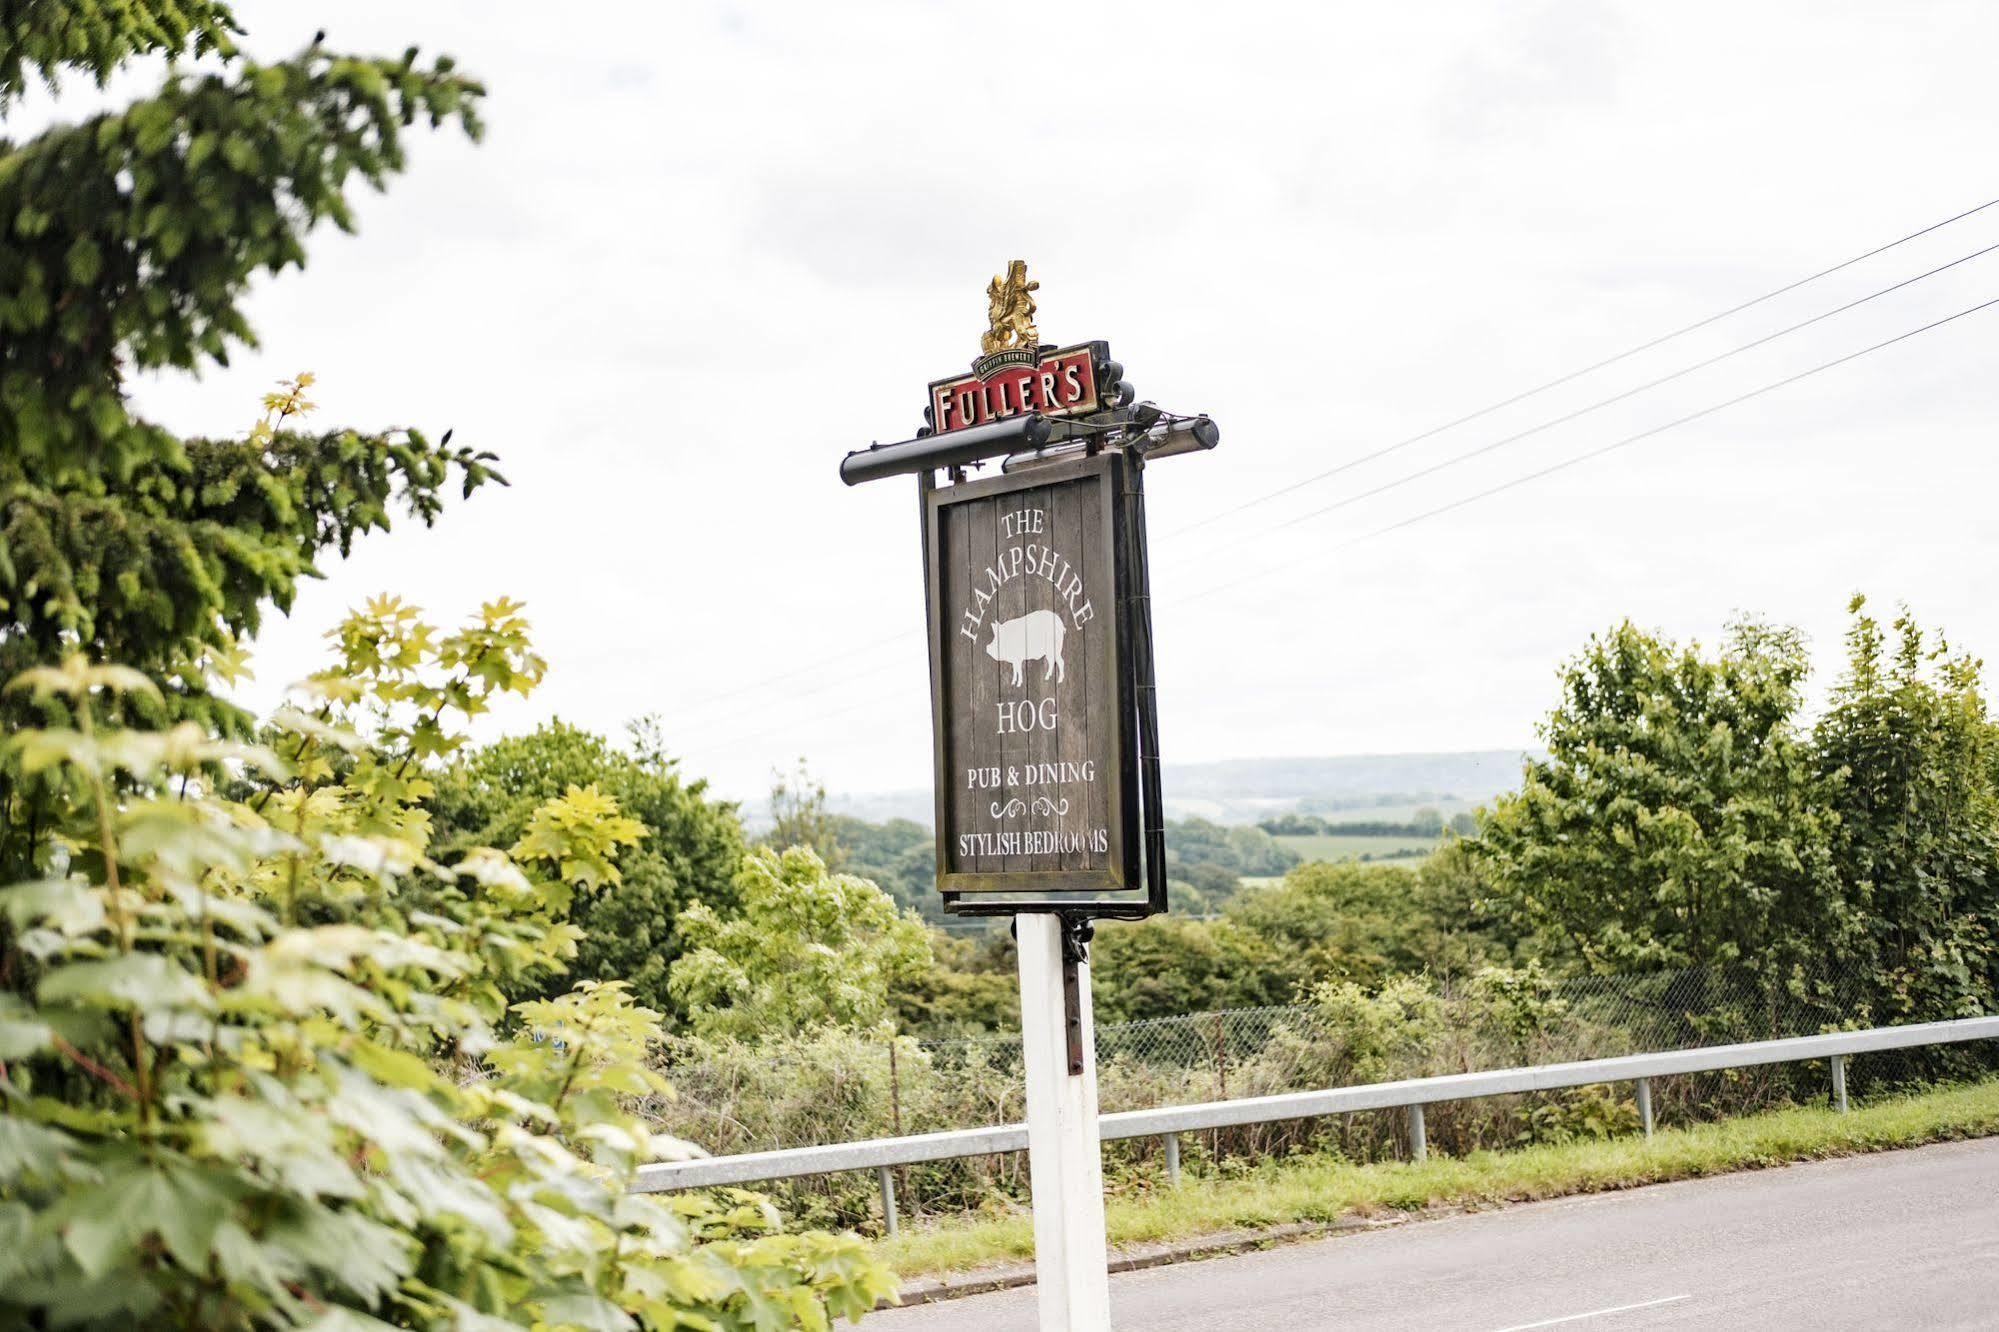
<point x="1343" y="846"/>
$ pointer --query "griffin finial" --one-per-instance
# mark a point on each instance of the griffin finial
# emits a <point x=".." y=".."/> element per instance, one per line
<point x="1010" y="311"/>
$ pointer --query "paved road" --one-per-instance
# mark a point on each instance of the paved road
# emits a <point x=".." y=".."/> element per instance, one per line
<point x="1901" y="1240"/>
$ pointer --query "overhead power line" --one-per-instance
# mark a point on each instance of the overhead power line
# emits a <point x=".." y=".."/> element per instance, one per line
<point x="816" y="668"/>
<point x="1615" y="398"/>
<point x="704" y="703"/>
<point x="1573" y="375"/>
<point x="729" y="743"/>
<point x="1487" y="493"/>
<point x="1598" y="452"/>
<point x="725" y="722"/>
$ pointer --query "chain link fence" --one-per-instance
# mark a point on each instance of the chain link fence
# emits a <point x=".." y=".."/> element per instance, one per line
<point x="844" y="1086"/>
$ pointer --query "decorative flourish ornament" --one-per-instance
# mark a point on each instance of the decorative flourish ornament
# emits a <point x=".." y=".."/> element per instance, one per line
<point x="1010" y="312"/>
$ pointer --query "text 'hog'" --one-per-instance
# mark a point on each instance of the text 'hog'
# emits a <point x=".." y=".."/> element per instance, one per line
<point x="1035" y="636"/>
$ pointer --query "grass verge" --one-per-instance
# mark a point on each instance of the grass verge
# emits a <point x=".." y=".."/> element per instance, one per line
<point x="1320" y="1189"/>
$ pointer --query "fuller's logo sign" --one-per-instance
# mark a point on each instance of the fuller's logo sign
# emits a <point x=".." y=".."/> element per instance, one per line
<point x="1015" y="374"/>
<point x="1045" y="724"/>
<point x="1016" y="381"/>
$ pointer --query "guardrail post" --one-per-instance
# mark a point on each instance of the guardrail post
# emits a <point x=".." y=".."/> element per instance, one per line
<point x="1839" y="1083"/>
<point x="1419" y="1137"/>
<point x="1171" y="1143"/>
<point x="887" y="1181"/>
<point x="1645" y="1104"/>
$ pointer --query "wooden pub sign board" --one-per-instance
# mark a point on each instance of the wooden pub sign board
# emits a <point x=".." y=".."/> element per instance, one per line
<point x="1046" y="728"/>
<point x="1036" y="685"/>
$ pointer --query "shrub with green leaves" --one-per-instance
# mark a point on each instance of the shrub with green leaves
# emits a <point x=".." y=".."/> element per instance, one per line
<point x="691" y="845"/>
<point x="256" y="1069"/>
<point x="806" y="949"/>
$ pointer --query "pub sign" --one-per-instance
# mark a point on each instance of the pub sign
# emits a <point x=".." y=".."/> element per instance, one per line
<point x="1046" y="721"/>
<point x="1031" y="587"/>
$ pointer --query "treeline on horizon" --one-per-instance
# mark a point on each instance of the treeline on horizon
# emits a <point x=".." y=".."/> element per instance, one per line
<point x="1684" y="814"/>
<point x="1425" y="822"/>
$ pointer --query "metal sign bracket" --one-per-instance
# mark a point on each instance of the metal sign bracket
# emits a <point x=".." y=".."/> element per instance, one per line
<point x="1077" y="931"/>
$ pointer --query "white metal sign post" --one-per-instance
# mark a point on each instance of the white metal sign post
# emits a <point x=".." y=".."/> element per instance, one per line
<point x="1046" y="732"/>
<point x="1064" y="1157"/>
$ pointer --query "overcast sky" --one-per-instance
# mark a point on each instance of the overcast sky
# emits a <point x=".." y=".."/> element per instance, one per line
<point x="706" y="249"/>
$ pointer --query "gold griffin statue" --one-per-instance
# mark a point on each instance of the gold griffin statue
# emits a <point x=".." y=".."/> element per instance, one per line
<point x="1010" y="311"/>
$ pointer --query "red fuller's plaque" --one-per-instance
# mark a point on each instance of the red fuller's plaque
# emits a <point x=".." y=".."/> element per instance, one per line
<point x="1013" y="383"/>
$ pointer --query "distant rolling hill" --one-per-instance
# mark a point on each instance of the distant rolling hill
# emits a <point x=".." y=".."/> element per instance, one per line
<point x="1376" y="785"/>
<point x="1245" y="790"/>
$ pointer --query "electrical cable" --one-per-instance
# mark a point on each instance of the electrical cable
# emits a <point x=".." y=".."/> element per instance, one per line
<point x="897" y="639"/>
<point x="1566" y="417"/>
<point x="1603" y="449"/>
<point x="815" y="668"/>
<point x="1572" y="375"/>
<point x="734" y="741"/>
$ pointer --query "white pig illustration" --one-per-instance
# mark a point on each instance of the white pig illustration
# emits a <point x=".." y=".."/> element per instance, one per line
<point x="1035" y="635"/>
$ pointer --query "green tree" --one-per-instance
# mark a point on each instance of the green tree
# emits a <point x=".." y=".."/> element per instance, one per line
<point x="1199" y="888"/>
<point x="1913" y="757"/>
<point x="1167" y="966"/>
<point x="1294" y="824"/>
<point x="127" y="244"/>
<point x="1677" y="819"/>
<point x="899" y="857"/>
<point x="689" y="852"/>
<point x="799" y="817"/>
<point x="258" y="1079"/>
<point x="1365" y="923"/>
<point x="806" y="948"/>
<point x="1460" y="930"/>
<point x="971" y="987"/>
<point x="1241" y="850"/>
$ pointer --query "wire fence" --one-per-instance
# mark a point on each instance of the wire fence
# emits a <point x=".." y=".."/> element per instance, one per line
<point x="843" y="1086"/>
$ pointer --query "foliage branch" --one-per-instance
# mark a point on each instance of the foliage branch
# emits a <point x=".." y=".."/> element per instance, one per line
<point x="256" y="1068"/>
<point x="128" y="242"/>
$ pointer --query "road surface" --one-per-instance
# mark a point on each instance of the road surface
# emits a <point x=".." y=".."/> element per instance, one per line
<point x="1900" y="1240"/>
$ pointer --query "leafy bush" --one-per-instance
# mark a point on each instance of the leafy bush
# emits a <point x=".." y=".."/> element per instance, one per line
<point x="1167" y="966"/>
<point x="1578" y="1114"/>
<point x="972" y="986"/>
<point x="255" y="1064"/>
<point x="806" y="949"/>
<point x="837" y="1084"/>
<point x="689" y="852"/>
<point x="1686" y="816"/>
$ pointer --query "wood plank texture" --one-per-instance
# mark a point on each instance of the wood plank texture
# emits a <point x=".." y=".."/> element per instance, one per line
<point x="1031" y="734"/>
